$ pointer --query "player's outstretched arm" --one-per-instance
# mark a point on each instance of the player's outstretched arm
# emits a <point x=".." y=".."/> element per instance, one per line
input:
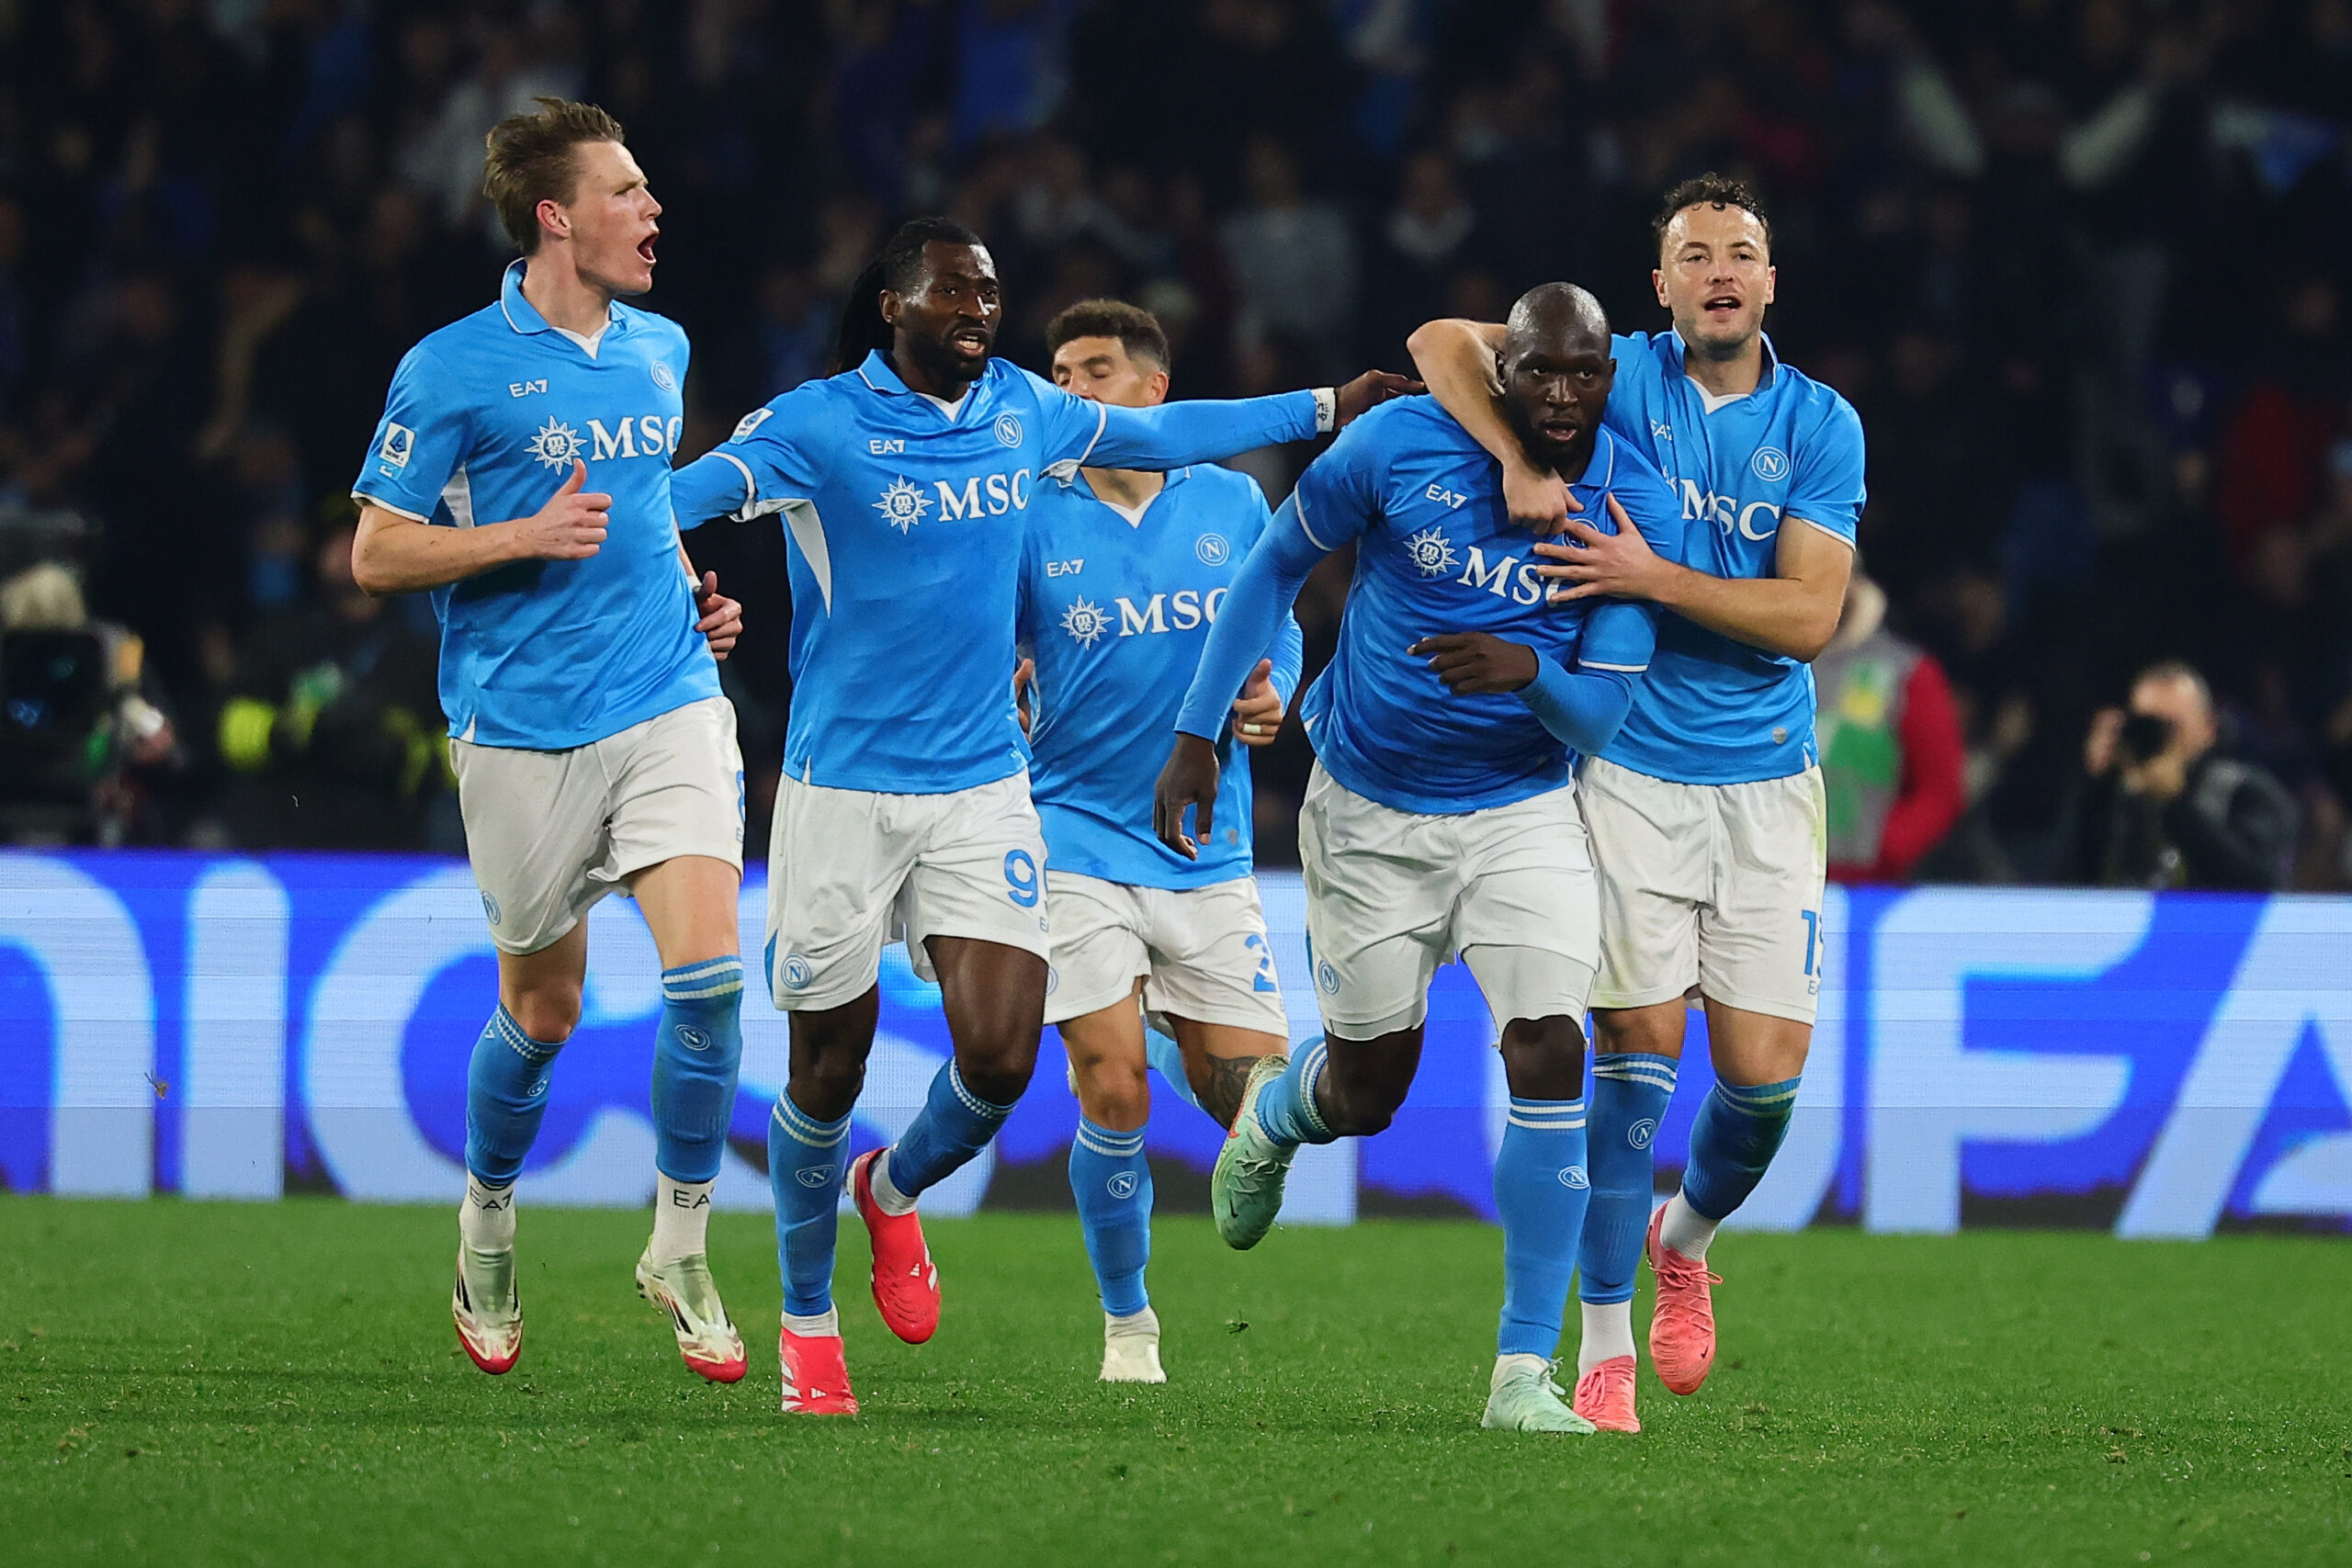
<point x="1792" y="612"/>
<point x="393" y="554"/>
<point x="1457" y="359"/>
<point x="1171" y="436"/>
<point x="1263" y="590"/>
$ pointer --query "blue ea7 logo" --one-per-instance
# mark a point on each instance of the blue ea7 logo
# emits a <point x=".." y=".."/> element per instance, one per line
<point x="1452" y="498"/>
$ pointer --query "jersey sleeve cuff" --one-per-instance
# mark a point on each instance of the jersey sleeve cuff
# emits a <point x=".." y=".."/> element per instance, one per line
<point x="364" y="499"/>
<point x="1845" y="539"/>
<point x="1612" y="668"/>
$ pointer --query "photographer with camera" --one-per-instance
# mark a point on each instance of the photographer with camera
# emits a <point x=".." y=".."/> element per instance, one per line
<point x="2161" y="809"/>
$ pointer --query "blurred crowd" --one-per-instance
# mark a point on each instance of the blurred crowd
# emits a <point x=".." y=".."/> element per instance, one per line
<point x="2082" y="265"/>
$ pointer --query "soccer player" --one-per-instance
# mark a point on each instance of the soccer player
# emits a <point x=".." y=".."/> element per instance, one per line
<point x="1442" y="818"/>
<point x="592" y="748"/>
<point x="904" y="484"/>
<point x="1706" y="812"/>
<point x="1124" y="573"/>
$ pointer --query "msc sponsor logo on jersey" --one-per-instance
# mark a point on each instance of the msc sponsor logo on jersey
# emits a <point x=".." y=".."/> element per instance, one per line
<point x="902" y="505"/>
<point x="1451" y="498"/>
<point x="1772" y="464"/>
<point x="1522" y="587"/>
<point x="989" y="494"/>
<point x="1431" y="552"/>
<point x="1179" y="611"/>
<point x="1211" y="549"/>
<point x="557" y="444"/>
<point x="1007" y="430"/>
<point x="399" y="441"/>
<point x="1066" y="567"/>
<point x="1085" y="622"/>
<point x="1757" y="520"/>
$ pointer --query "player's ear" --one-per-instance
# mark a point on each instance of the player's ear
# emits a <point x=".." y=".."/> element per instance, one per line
<point x="1159" y="386"/>
<point x="1658" y="282"/>
<point x="890" y="303"/>
<point x="1771" y="276"/>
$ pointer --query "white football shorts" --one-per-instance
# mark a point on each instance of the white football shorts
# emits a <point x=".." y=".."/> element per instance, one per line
<point x="551" y="833"/>
<point x="851" y="871"/>
<point x="1201" y="951"/>
<point x="1709" y="890"/>
<point x="1392" y="894"/>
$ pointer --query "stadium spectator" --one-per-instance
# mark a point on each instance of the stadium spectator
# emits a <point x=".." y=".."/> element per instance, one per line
<point x="2163" y="809"/>
<point x="1891" y="758"/>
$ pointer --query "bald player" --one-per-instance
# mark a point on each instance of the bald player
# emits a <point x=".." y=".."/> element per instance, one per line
<point x="1441" y="819"/>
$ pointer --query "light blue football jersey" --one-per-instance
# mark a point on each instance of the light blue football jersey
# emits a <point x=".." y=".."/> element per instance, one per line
<point x="1436" y="551"/>
<point x="483" y="421"/>
<point x="905" y="523"/>
<point x="1114" y="612"/>
<point x="1712" y="710"/>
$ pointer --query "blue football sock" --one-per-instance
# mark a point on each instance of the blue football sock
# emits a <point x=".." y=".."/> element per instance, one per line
<point x="1629" y="1094"/>
<point x="506" y="1098"/>
<point x="1540" y="1185"/>
<point x="1738" y="1132"/>
<point x="1112" y="1181"/>
<point x="807" y="1159"/>
<point x="953" y="1125"/>
<point x="1167" y="1055"/>
<point x="1286" y="1107"/>
<point x="694" y="1060"/>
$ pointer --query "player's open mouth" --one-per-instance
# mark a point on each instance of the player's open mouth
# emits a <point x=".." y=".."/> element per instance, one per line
<point x="969" y="341"/>
<point x="1726" y="302"/>
<point x="645" y="247"/>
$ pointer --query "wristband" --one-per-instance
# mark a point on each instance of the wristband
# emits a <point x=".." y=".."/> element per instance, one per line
<point x="1327" y="409"/>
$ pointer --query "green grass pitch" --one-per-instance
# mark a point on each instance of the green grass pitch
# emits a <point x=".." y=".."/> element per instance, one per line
<point x="193" y="1383"/>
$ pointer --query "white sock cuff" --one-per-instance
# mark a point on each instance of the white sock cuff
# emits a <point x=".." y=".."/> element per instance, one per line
<point x="888" y="1198"/>
<point x="826" y="1325"/>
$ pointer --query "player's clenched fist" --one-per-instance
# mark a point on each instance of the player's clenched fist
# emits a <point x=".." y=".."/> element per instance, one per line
<point x="571" y="526"/>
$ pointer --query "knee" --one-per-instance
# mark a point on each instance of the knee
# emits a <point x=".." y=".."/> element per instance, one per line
<point x="1000" y="1074"/>
<point x="1543" y="1058"/>
<point x="1117" y="1097"/>
<point x="1362" y="1109"/>
<point x="548" y="1013"/>
<point x="826" y="1085"/>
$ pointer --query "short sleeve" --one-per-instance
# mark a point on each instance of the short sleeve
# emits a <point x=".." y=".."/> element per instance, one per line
<point x="772" y="458"/>
<point x="1828" y="490"/>
<point x="1070" y="424"/>
<point x="423" y="438"/>
<point x="1338" y="495"/>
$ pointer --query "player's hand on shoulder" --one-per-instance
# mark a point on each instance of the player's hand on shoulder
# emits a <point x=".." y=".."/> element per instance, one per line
<point x="1537" y="499"/>
<point x="1595" y="565"/>
<point x="1474" y="663"/>
<point x="571" y="527"/>
<point x="1189" y="779"/>
<point x="722" y="618"/>
<point x="1024" y="680"/>
<point x="1258" y="711"/>
<point x="1368" y="391"/>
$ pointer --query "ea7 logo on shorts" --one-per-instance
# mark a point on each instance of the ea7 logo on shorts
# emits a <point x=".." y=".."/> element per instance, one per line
<point x="1212" y="550"/>
<point x="693" y="1039"/>
<point x="399" y="441"/>
<point x="796" y="972"/>
<point x="813" y="1176"/>
<point x="1574" y="1176"/>
<point x="1121" y="1185"/>
<point x="490" y="908"/>
<point x="1007" y="430"/>
<point x="1772" y="464"/>
<point x="1640" y="1134"/>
